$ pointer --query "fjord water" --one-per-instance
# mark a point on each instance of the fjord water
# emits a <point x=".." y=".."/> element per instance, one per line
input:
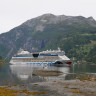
<point x="22" y="74"/>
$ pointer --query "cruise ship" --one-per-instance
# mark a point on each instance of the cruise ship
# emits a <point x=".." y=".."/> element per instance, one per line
<point x="47" y="57"/>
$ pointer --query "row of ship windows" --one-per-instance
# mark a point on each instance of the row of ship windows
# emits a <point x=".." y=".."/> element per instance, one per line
<point x="32" y="61"/>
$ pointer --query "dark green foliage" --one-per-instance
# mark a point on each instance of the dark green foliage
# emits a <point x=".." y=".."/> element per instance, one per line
<point x="3" y="50"/>
<point x="0" y="58"/>
<point x="92" y="55"/>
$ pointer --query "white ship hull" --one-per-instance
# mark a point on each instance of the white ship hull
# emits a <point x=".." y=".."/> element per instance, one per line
<point x="38" y="63"/>
<point x="42" y="58"/>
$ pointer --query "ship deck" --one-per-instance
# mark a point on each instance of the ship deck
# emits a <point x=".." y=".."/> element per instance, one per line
<point x="38" y="59"/>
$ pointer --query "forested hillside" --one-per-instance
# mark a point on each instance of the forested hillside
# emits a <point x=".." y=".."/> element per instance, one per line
<point x="76" y="35"/>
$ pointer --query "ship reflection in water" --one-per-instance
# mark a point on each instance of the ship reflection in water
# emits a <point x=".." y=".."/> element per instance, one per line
<point x="31" y="71"/>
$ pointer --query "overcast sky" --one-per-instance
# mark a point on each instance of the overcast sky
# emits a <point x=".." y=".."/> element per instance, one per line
<point x="15" y="12"/>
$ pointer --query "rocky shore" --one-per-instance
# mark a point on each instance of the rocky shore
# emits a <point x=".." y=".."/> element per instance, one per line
<point x="77" y="87"/>
<point x="72" y="87"/>
<point x="3" y="62"/>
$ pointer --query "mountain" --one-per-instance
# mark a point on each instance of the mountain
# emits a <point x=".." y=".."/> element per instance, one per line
<point x="76" y="35"/>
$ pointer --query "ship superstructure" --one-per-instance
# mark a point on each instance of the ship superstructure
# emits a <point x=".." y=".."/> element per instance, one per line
<point x="44" y="57"/>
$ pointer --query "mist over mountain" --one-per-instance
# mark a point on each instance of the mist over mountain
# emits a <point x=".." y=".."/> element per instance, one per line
<point x="76" y="35"/>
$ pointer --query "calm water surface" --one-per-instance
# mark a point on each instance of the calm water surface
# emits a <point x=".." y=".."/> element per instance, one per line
<point x="22" y="74"/>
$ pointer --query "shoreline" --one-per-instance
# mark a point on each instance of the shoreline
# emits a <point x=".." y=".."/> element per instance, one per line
<point x="77" y="87"/>
<point x="71" y="87"/>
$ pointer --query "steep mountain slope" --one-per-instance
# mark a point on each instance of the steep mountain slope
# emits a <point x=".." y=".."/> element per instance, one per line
<point x="76" y="35"/>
